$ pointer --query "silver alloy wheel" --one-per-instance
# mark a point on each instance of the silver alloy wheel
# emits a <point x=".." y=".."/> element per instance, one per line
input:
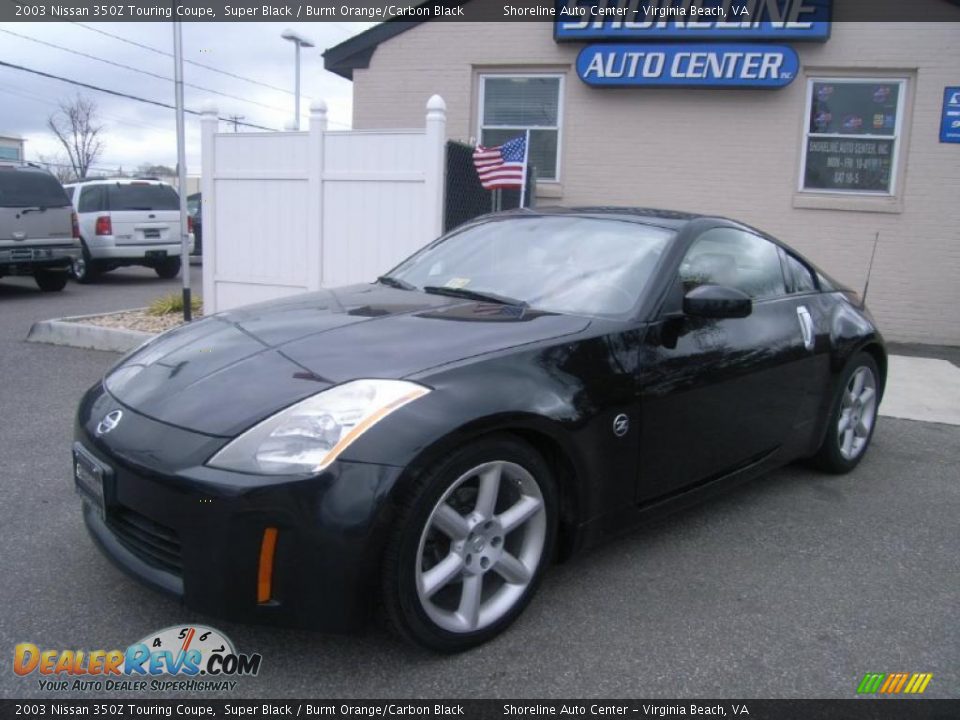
<point x="858" y="412"/>
<point x="79" y="267"/>
<point x="490" y="527"/>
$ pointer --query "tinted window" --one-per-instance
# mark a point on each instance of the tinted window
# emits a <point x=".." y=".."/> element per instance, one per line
<point x="142" y="197"/>
<point x="726" y="256"/>
<point x="24" y="188"/>
<point x="800" y="275"/>
<point x="92" y="198"/>
<point x="558" y="264"/>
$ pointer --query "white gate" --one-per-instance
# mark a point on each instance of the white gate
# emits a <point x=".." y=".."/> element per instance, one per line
<point x="288" y="212"/>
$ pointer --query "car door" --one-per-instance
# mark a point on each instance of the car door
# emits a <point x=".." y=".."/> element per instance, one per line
<point x="720" y="394"/>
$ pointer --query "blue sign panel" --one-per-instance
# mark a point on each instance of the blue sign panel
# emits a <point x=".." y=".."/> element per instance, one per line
<point x="950" y="123"/>
<point x="715" y="20"/>
<point x="705" y="65"/>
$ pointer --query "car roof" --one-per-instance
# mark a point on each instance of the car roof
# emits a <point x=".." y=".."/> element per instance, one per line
<point x="119" y="181"/>
<point x="23" y="166"/>
<point x="672" y="219"/>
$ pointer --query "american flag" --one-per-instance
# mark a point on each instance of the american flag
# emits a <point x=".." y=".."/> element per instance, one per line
<point x="501" y="167"/>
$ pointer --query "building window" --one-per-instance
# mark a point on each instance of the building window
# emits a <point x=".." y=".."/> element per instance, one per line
<point x="512" y="104"/>
<point x="852" y="135"/>
<point x="9" y="153"/>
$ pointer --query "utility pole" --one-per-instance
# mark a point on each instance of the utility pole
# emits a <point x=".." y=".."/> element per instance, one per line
<point x="182" y="168"/>
<point x="235" y="119"/>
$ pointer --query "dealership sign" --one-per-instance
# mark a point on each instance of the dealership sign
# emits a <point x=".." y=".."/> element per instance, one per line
<point x="714" y="20"/>
<point x="950" y="119"/>
<point x="704" y="65"/>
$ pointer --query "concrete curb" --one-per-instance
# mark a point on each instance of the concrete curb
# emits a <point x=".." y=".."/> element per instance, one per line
<point x="73" y="332"/>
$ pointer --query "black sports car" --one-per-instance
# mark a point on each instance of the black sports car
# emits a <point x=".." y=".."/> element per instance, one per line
<point x="423" y="445"/>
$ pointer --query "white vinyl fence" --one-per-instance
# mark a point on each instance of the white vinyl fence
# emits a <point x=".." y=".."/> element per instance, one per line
<point x="287" y="212"/>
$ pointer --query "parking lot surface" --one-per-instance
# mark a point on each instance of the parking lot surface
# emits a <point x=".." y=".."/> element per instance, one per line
<point x="792" y="586"/>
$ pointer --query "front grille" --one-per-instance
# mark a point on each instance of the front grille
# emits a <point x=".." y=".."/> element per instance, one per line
<point x="155" y="544"/>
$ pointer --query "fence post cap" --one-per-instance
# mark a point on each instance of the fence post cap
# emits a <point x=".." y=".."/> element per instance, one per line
<point x="209" y="107"/>
<point x="436" y="104"/>
<point x="318" y="107"/>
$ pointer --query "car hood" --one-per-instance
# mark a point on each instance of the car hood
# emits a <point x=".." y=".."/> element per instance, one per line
<point x="222" y="374"/>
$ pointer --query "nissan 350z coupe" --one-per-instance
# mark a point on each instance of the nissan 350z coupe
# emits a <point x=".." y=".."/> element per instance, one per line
<point x="421" y="447"/>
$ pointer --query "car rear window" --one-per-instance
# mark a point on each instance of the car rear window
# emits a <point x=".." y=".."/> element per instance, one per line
<point x="142" y="197"/>
<point x="21" y="188"/>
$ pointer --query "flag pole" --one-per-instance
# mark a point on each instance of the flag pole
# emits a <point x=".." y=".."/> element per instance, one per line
<point x="526" y="158"/>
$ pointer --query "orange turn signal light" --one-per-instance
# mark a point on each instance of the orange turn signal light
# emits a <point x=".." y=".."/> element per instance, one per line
<point x="268" y="547"/>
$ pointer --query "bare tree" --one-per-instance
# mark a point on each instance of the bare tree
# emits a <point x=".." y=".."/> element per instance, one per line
<point x="78" y="129"/>
<point x="58" y="164"/>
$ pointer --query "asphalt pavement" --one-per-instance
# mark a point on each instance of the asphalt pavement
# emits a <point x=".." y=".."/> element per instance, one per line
<point x="794" y="585"/>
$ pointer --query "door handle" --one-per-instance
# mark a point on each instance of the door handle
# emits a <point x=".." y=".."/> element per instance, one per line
<point x="806" y="326"/>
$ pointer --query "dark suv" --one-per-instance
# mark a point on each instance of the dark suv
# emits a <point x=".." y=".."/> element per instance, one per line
<point x="39" y="235"/>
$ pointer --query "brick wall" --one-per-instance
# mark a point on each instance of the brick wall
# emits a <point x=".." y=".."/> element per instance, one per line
<point x="727" y="151"/>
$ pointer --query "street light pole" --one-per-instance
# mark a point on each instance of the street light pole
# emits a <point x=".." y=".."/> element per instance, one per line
<point x="298" y="41"/>
<point x="182" y="169"/>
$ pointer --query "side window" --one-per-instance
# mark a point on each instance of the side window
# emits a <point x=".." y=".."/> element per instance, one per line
<point x="800" y="277"/>
<point x="91" y="199"/>
<point x="735" y="258"/>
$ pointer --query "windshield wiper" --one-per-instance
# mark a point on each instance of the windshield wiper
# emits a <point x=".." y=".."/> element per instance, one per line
<point x="395" y="283"/>
<point x="35" y="208"/>
<point x="473" y="295"/>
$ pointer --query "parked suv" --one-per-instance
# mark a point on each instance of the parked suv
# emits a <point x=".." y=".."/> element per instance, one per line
<point x="127" y="221"/>
<point x="38" y="228"/>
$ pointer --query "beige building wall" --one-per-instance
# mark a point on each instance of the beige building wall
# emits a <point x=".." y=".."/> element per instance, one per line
<point x="734" y="152"/>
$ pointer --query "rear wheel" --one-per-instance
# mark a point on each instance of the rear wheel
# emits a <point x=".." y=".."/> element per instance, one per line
<point x="51" y="280"/>
<point x="168" y="269"/>
<point x="853" y="417"/>
<point x="470" y="545"/>
<point x="84" y="268"/>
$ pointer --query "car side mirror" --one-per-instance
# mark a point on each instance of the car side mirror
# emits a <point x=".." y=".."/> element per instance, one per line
<point x="717" y="301"/>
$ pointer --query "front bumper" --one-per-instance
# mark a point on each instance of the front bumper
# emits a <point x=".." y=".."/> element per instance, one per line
<point x="26" y="260"/>
<point x="196" y="532"/>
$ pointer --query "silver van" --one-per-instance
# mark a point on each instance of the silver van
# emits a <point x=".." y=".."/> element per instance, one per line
<point x="39" y="235"/>
<point x="127" y="221"/>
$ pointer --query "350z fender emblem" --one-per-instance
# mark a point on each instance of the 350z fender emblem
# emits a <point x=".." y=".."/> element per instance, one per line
<point x="621" y="424"/>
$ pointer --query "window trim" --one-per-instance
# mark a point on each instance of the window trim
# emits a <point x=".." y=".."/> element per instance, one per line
<point x="903" y="83"/>
<point x="560" y="108"/>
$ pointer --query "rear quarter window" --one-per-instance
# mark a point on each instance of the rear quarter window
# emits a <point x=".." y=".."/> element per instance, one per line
<point x="20" y="189"/>
<point x="142" y="197"/>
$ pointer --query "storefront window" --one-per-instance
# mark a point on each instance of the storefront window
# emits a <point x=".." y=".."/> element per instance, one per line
<point x="512" y="104"/>
<point x="852" y="135"/>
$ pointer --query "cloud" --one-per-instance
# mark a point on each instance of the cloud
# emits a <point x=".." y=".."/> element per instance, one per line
<point x="137" y="133"/>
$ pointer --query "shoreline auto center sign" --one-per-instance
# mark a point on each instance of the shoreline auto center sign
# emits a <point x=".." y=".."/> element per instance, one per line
<point x="618" y="62"/>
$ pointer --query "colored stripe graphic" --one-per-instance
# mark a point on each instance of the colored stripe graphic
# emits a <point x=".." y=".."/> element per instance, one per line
<point x="894" y="683"/>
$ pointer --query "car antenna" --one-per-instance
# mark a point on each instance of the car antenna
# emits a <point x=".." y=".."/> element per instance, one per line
<point x="866" y="284"/>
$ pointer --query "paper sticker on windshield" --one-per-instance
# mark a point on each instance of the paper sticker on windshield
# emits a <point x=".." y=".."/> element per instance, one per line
<point x="457" y="283"/>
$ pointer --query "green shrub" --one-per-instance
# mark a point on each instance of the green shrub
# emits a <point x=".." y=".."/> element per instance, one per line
<point x="173" y="304"/>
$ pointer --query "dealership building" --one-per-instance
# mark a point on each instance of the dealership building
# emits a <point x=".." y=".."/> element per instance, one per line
<point x="824" y="134"/>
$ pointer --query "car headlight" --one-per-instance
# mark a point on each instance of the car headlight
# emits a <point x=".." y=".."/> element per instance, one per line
<point x="308" y="436"/>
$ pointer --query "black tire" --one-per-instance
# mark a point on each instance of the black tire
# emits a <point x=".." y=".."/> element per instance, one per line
<point x="168" y="269"/>
<point x="85" y="269"/>
<point x="402" y="608"/>
<point x="51" y="280"/>
<point x="830" y="456"/>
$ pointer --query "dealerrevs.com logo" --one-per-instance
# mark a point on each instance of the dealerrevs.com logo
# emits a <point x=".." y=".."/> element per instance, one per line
<point x="894" y="683"/>
<point x="191" y="657"/>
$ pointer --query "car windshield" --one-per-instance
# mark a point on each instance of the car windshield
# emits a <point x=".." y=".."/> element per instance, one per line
<point x="143" y="196"/>
<point x="25" y="188"/>
<point x="576" y="265"/>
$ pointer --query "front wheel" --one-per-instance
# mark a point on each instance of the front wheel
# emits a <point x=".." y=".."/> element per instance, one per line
<point x="168" y="269"/>
<point x="470" y="545"/>
<point x="853" y="417"/>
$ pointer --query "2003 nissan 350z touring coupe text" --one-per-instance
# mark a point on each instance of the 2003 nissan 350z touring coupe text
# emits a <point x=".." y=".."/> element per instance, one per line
<point x="422" y="446"/>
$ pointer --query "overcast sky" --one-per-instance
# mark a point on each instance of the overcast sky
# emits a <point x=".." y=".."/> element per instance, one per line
<point x="137" y="133"/>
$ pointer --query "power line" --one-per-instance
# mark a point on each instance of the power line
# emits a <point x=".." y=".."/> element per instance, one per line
<point x="116" y="93"/>
<point x="19" y="92"/>
<point x="139" y="70"/>
<point x="191" y="62"/>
